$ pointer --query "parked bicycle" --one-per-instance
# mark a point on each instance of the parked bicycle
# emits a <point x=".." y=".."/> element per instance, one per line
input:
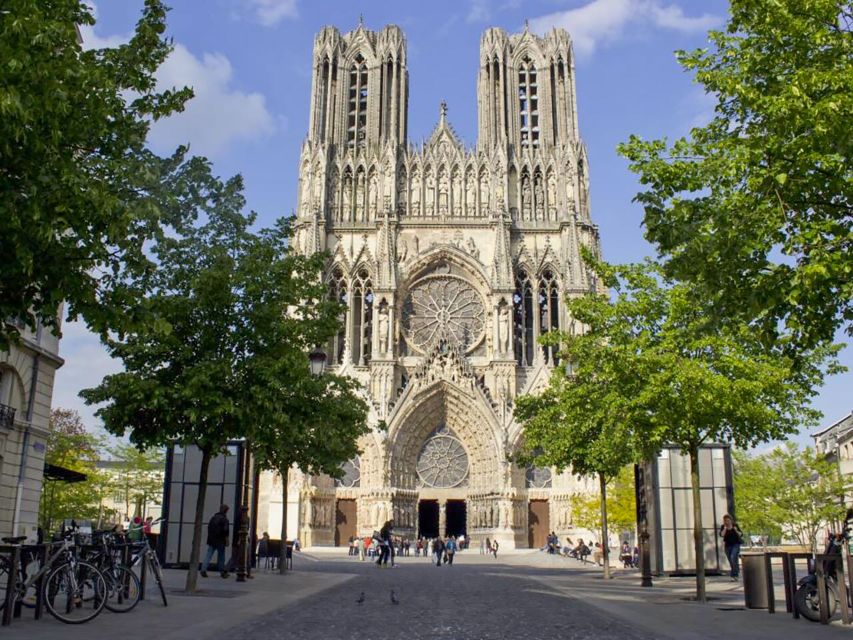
<point x="144" y="554"/>
<point x="73" y="590"/>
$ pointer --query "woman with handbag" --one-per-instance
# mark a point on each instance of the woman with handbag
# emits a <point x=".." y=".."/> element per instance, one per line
<point x="732" y="538"/>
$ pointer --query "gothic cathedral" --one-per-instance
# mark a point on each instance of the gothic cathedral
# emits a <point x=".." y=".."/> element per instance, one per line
<point x="451" y="261"/>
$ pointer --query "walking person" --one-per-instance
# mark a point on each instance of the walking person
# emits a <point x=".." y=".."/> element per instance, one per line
<point x="360" y="544"/>
<point x="438" y="550"/>
<point x="495" y="546"/>
<point x="385" y="543"/>
<point x="732" y="538"/>
<point x="488" y="546"/>
<point x="450" y="549"/>
<point x="217" y="540"/>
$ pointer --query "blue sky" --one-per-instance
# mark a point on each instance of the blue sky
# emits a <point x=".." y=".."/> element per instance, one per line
<point x="249" y="62"/>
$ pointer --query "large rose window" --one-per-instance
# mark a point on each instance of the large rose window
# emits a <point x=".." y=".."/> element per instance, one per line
<point x="443" y="307"/>
<point x="443" y="462"/>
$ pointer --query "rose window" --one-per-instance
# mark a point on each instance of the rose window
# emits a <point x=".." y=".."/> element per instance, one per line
<point x="443" y="307"/>
<point x="443" y="462"/>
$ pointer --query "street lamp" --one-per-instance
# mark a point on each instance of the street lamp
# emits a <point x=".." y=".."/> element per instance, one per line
<point x="317" y="360"/>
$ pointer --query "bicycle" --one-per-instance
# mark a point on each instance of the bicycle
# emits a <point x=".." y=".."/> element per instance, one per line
<point x="74" y="591"/>
<point x="123" y="587"/>
<point x="144" y="554"/>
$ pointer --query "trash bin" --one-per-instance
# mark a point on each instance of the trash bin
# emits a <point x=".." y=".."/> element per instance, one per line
<point x="754" y="571"/>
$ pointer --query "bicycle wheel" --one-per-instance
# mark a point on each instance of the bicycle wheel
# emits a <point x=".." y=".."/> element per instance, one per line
<point x="154" y="563"/>
<point x="75" y="593"/>
<point x="123" y="589"/>
<point x="4" y="580"/>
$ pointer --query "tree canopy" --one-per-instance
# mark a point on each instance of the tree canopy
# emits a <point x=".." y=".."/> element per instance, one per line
<point x="755" y="209"/>
<point x="80" y="195"/>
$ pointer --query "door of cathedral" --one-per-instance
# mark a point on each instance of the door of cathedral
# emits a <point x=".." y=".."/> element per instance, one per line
<point x="538" y="523"/>
<point x="345" y="521"/>
<point x="428" y="518"/>
<point x="455" y="518"/>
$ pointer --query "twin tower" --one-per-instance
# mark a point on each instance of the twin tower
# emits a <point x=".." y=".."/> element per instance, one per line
<point x="451" y="261"/>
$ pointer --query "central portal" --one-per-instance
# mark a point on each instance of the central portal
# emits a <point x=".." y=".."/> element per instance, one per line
<point x="428" y="518"/>
<point x="455" y="518"/>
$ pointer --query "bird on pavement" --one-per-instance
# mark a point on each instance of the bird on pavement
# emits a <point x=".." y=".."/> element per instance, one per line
<point x="360" y="598"/>
<point x="394" y="598"/>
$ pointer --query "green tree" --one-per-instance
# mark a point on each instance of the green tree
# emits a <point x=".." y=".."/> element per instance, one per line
<point x="223" y="341"/>
<point x="318" y="421"/>
<point x="791" y="492"/>
<point x="138" y="476"/>
<point x="71" y="446"/>
<point x="81" y="195"/>
<point x="580" y="421"/>
<point x="621" y="505"/>
<point x="756" y="208"/>
<point x="675" y="379"/>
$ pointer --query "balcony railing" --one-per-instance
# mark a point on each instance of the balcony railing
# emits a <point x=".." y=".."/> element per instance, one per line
<point x="7" y="416"/>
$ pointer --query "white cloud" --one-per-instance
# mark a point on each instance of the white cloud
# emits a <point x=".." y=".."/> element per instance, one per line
<point x="271" y="12"/>
<point x="602" y="21"/>
<point x="218" y="115"/>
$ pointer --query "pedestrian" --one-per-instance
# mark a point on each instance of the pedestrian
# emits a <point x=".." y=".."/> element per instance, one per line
<point x="495" y="546"/>
<point x="135" y="529"/>
<point x="438" y="550"/>
<point x="451" y="548"/>
<point x="385" y="543"/>
<point x="732" y="538"/>
<point x="488" y="546"/>
<point x="482" y="547"/>
<point x="360" y="542"/>
<point x="217" y="540"/>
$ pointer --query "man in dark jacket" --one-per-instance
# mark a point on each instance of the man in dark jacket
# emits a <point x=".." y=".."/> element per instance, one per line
<point x="217" y="540"/>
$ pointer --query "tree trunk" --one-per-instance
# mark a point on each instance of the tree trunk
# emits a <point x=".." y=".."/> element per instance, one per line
<point x="282" y="559"/>
<point x="698" y="542"/>
<point x="192" y="574"/>
<point x="605" y="543"/>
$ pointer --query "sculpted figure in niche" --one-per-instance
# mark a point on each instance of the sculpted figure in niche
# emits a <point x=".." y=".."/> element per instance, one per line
<point x="402" y="193"/>
<point x="346" y="214"/>
<point x="416" y="194"/>
<point x="471" y="196"/>
<point x="503" y="328"/>
<point x="485" y="200"/>
<point x="429" y="195"/>
<point x="526" y="197"/>
<point x="383" y="327"/>
<point x="540" y="197"/>
<point x="359" y="197"/>
<point x="333" y="195"/>
<point x="386" y="194"/>
<point x="570" y="194"/>
<point x="374" y="194"/>
<point x="318" y="190"/>
<point x="306" y="192"/>
<point x="457" y="194"/>
<point x="552" y="194"/>
<point x="442" y="194"/>
<point x="404" y="250"/>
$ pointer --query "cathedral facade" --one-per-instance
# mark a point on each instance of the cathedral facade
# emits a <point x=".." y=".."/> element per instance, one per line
<point x="452" y="261"/>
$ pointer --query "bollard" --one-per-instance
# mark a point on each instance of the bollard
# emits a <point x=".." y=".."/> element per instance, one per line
<point x="241" y="543"/>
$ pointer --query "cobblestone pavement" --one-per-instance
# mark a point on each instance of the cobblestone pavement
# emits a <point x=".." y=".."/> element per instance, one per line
<point x="473" y="599"/>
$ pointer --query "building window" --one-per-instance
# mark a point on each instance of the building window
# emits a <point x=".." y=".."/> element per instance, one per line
<point x="338" y="292"/>
<point x="549" y="312"/>
<point x="523" y="335"/>
<point x="528" y="104"/>
<point x="362" y="314"/>
<point x="357" y="106"/>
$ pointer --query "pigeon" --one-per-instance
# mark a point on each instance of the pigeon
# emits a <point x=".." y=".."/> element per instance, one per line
<point x="394" y="598"/>
<point x="360" y="598"/>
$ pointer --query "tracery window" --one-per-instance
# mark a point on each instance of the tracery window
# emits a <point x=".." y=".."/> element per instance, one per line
<point x="523" y="317"/>
<point x="537" y="478"/>
<point x="549" y="312"/>
<point x="443" y="461"/>
<point x="362" y="317"/>
<point x="357" y="105"/>
<point x="528" y="104"/>
<point x="339" y="293"/>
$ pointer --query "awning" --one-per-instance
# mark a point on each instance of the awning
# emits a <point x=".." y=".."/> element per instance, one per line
<point x="53" y="472"/>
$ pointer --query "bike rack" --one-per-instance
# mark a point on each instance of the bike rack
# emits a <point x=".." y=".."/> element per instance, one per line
<point x="15" y="556"/>
<point x="821" y="587"/>
<point x="768" y="572"/>
<point x="791" y="577"/>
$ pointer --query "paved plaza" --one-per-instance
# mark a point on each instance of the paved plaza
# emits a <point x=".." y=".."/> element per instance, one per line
<point x="521" y="595"/>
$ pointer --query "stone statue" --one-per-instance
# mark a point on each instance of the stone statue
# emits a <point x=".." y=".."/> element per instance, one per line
<point x="457" y="194"/>
<point x="383" y="328"/>
<point x="404" y="250"/>
<point x="373" y="190"/>
<point x="552" y="192"/>
<point x="540" y="197"/>
<point x="442" y="194"/>
<point x="347" y="198"/>
<point x="525" y="197"/>
<point x="472" y="249"/>
<point x="402" y="193"/>
<point x="429" y="195"/>
<point x="485" y="203"/>
<point x="503" y="329"/>
<point x="471" y="197"/>
<point x="416" y="195"/>
<point x="359" y="197"/>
